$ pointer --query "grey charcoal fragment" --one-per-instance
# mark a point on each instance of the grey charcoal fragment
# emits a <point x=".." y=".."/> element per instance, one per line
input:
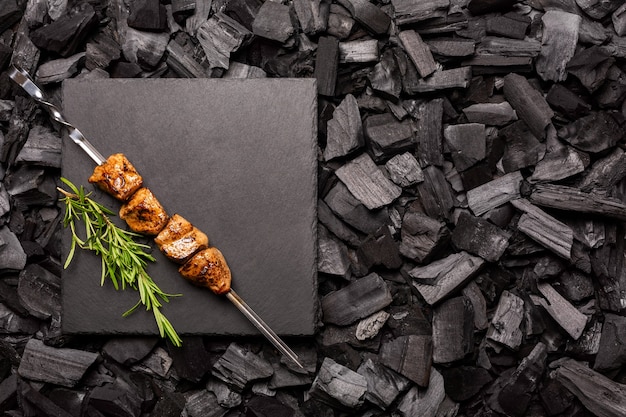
<point x="423" y="402"/>
<point x="147" y="15"/>
<point x="467" y="144"/>
<point x="145" y="48"/>
<point x="387" y="135"/>
<point x="226" y="397"/>
<point x="219" y="37"/>
<point x="369" y="327"/>
<point x="350" y="210"/>
<point x="12" y="255"/>
<point x="43" y="147"/>
<point x="157" y="363"/>
<point x="436" y="194"/>
<point x="101" y="50"/>
<point x="369" y="15"/>
<point x="284" y="378"/>
<point x="453" y="330"/>
<point x="344" y="130"/>
<point x="312" y="15"/>
<point x="410" y="356"/>
<point x="31" y="186"/>
<point x="39" y="291"/>
<point x="273" y="21"/>
<point x="6" y="109"/>
<point x="359" y="299"/>
<point x="332" y="255"/>
<point x="118" y="398"/>
<point x="612" y="351"/>
<point x="204" y="404"/>
<point x="265" y="406"/>
<point x="59" y="69"/>
<point x="239" y="367"/>
<point x="422" y="236"/>
<point x="35" y="403"/>
<point x="338" y="385"/>
<point x="66" y="34"/>
<point x="129" y="350"/>
<point x="61" y="366"/>
<point x="334" y="225"/>
<point x="493" y="114"/>
<point x="13" y="323"/>
<point x="8" y="392"/>
<point x="480" y="237"/>
<point x="5" y="203"/>
<point x="380" y="248"/>
<point x="404" y="170"/>
<point x="383" y="384"/>
<point x="239" y="70"/>
<point x="385" y="78"/>
<point x="463" y="382"/>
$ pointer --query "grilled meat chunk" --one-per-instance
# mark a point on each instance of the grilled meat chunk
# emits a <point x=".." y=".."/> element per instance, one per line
<point x="208" y="268"/>
<point x="179" y="240"/>
<point x="117" y="176"/>
<point x="143" y="213"/>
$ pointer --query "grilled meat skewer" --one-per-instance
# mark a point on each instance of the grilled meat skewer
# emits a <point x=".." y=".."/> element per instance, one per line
<point x="117" y="176"/>
<point x="179" y="239"/>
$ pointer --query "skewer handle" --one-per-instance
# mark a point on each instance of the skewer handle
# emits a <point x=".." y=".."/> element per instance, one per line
<point x="263" y="327"/>
<point x="22" y="78"/>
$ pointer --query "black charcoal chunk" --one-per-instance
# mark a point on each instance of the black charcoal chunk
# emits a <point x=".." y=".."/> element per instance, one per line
<point x="338" y="385"/>
<point x="480" y="237"/>
<point x="436" y="194"/>
<point x="203" y="404"/>
<point x="61" y="366"/>
<point x="383" y="384"/>
<point x="380" y="249"/>
<point x="273" y="21"/>
<point x="369" y="15"/>
<point x="31" y="186"/>
<point x="10" y="13"/>
<point x="453" y="330"/>
<point x="148" y="15"/>
<point x="345" y="130"/>
<point x="385" y="77"/>
<point x="239" y="367"/>
<point x="312" y="15"/>
<point x="386" y="135"/>
<point x="13" y="323"/>
<point x="423" y="401"/>
<point x="332" y="255"/>
<point x="66" y="34"/>
<point x="463" y="382"/>
<point x="43" y="148"/>
<point x="220" y="36"/>
<point x="12" y="255"/>
<point x="35" y="403"/>
<point x="261" y="406"/>
<point x="335" y="225"/>
<point x="359" y="299"/>
<point x="118" y="398"/>
<point x="612" y="351"/>
<point x="226" y="397"/>
<point x="421" y="236"/>
<point x="191" y="361"/>
<point x="410" y="356"/>
<point x="39" y="291"/>
<point x="8" y="393"/>
<point x="129" y="350"/>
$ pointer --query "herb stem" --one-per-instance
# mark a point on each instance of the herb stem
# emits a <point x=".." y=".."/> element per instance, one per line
<point x="124" y="261"/>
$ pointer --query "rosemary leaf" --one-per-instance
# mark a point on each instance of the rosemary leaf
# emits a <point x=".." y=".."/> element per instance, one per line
<point x="124" y="260"/>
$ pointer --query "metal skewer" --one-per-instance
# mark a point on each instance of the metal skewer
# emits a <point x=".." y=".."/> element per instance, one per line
<point x="23" y="79"/>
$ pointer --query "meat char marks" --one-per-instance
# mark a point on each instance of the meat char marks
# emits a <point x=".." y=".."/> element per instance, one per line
<point x="117" y="176"/>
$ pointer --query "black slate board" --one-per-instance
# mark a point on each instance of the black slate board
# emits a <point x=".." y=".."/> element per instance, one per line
<point x="237" y="158"/>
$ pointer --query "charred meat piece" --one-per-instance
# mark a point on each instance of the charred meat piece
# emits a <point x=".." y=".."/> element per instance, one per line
<point x="208" y="268"/>
<point x="179" y="240"/>
<point x="117" y="176"/>
<point x="143" y="213"/>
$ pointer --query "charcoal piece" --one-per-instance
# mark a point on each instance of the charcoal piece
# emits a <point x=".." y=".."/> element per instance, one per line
<point x="66" y="34"/>
<point x="418" y="51"/>
<point x="59" y="69"/>
<point x="10" y="13"/>
<point x="380" y="249"/>
<point x="340" y="22"/>
<point x="351" y="211"/>
<point x="35" y="403"/>
<point x="383" y="384"/>
<point x="25" y="53"/>
<point x="613" y="91"/>
<point x="43" y="148"/>
<point x="467" y="144"/>
<point x="565" y="314"/>
<point x="39" y="292"/>
<point x="423" y="401"/>
<point x="451" y="47"/>
<point x="600" y="395"/>
<point x="545" y="229"/>
<point x="572" y="199"/>
<point x="6" y="108"/>
<point x="559" y="162"/>
<point x="334" y="338"/>
<point x="191" y="361"/>
<point x="338" y="385"/>
<point x="441" y="278"/>
<point x="605" y="172"/>
<point x="505" y="327"/>
<point x="477" y="7"/>
<point x="511" y="25"/>
<point x="494" y="114"/>
<point x="359" y="51"/>
<point x="494" y="193"/>
<point x="12" y="255"/>
<point x="567" y="102"/>
<point x="555" y="398"/>
<point x="123" y="69"/>
<point x="30" y="186"/>
<point x="422" y="237"/>
<point x="10" y="299"/>
<point x="148" y="15"/>
<point x="332" y="256"/>
<point x="404" y="170"/>
<point x="522" y="149"/>
<point x="443" y="80"/>
<point x="158" y="363"/>
<point x="513" y="391"/>
<point x="117" y="398"/>
<point x="144" y="48"/>
<point x="593" y="133"/>
<point x="273" y="21"/>
<point x="369" y="327"/>
<point x="619" y="20"/>
<point x="372" y="17"/>
<point x="385" y="77"/>
<point x="611" y="351"/>
<point x="479" y="237"/>
<point x="203" y="404"/>
<point x="430" y="133"/>
<point x="129" y="350"/>
<point x="367" y="183"/>
<point x="607" y="265"/>
<point x="463" y="382"/>
<point x="479" y="305"/>
<point x="575" y="285"/>
<point x="239" y="367"/>
<point x="386" y="135"/>
<point x="11" y="322"/>
<point x="239" y="70"/>
<point x="558" y="44"/>
<point x="345" y="130"/>
<point x="220" y="36"/>
<point x="336" y="226"/>
<point x="261" y="406"/>
<point x="410" y="356"/>
<point x="359" y="299"/>
<point x="488" y="64"/>
<point x="505" y="47"/>
<point x="61" y="366"/>
<point x="453" y="330"/>
<point x="326" y="64"/>
<point x="183" y="63"/>
<point x="413" y="11"/>
<point x="529" y="104"/>
<point x="435" y="193"/>
<point x="312" y="15"/>
<point x="598" y="9"/>
<point x="591" y="66"/>
<point x="8" y="393"/>
<point x="226" y="397"/>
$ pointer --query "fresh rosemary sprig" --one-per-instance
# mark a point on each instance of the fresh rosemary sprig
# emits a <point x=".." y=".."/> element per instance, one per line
<point x="123" y="259"/>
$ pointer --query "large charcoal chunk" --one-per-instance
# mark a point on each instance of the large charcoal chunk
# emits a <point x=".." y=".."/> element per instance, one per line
<point x="463" y="382"/>
<point x="467" y="144"/>
<point x="12" y="255"/>
<point x="65" y="35"/>
<point x="350" y="210"/>
<point x="410" y="356"/>
<point x="42" y="147"/>
<point x="480" y="237"/>
<point x="273" y="21"/>
<point x="239" y="367"/>
<point x="612" y="352"/>
<point x="339" y="386"/>
<point x="387" y="135"/>
<point x="129" y="350"/>
<point x="422" y="236"/>
<point x="59" y="366"/>
<point x="383" y="384"/>
<point x="39" y="291"/>
<point x="453" y="330"/>
<point x="357" y="300"/>
<point x="423" y="402"/>
<point x="344" y="130"/>
<point x="436" y="194"/>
